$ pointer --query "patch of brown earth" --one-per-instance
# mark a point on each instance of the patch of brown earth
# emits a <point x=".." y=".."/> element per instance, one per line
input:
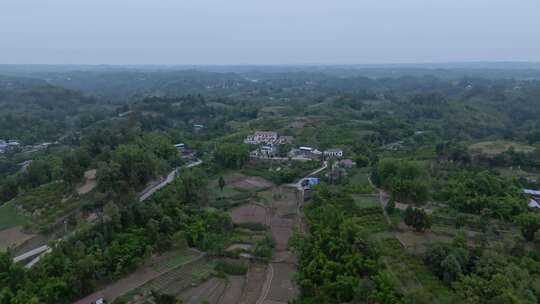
<point x="12" y="237"/>
<point x="250" y="213"/>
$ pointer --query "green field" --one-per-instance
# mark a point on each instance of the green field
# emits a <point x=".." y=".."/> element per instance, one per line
<point x="413" y="276"/>
<point x="10" y="218"/>
<point x="372" y="219"/>
<point x="173" y="259"/>
<point x="366" y="201"/>
<point x="499" y="146"/>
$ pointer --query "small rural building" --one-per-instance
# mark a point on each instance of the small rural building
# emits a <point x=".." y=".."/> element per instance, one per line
<point x="309" y="182"/>
<point x="347" y="163"/>
<point x="333" y="153"/>
<point x="198" y="127"/>
<point x="6" y="145"/>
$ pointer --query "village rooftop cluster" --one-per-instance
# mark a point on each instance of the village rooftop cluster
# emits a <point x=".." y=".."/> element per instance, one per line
<point x="267" y="143"/>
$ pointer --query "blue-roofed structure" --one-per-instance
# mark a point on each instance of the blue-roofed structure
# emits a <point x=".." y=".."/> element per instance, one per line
<point x="309" y="182"/>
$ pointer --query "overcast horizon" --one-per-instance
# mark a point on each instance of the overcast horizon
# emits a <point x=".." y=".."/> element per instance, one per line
<point x="242" y="32"/>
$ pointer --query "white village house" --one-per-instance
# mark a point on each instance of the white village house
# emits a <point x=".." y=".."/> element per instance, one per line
<point x="262" y="137"/>
<point x="534" y="198"/>
<point x="6" y="145"/>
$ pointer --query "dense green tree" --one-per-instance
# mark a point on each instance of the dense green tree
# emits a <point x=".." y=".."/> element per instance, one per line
<point x="417" y="218"/>
<point x="529" y="223"/>
<point x="221" y="183"/>
<point x="231" y="155"/>
<point x="391" y="206"/>
<point x="73" y="171"/>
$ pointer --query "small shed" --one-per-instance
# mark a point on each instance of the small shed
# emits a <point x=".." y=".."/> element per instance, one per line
<point x="309" y="182"/>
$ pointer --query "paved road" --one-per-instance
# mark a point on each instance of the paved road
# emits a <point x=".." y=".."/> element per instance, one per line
<point x="169" y="179"/>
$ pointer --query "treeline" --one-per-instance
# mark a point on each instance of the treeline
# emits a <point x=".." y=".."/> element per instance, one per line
<point x="338" y="262"/>
<point x="506" y="273"/>
<point x="478" y="192"/>
<point x="405" y="180"/>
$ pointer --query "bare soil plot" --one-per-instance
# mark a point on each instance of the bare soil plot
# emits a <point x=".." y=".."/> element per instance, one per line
<point x="281" y="237"/>
<point x="122" y="286"/>
<point x="90" y="182"/>
<point x="402" y="206"/>
<point x="239" y="247"/>
<point x="210" y="291"/>
<point x="250" y="213"/>
<point x="252" y="183"/>
<point x="282" y="288"/>
<point x="233" y="292"/>
<point x="283" y="200"/>
<point x="255" y="279"/>
<point x="12" y="237"/>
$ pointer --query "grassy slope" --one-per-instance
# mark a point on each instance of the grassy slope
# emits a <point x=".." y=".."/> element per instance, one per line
<point x="10" y="218"/>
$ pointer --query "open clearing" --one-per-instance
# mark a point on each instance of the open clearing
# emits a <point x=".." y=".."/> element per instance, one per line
<point x="209" y="291"/>
<point x="250" y="213"/>
<point x="366" y="201"/>
<point x="232" y="294"/>
<point x="416" y="242"/>
<point x="413" y="275"/>
<point x="13" y="237"/>
<point x="9" y="217"/>
<point x="90" y="182"/>
<point x="251" y="183"/>
<point x="498" y="147"/>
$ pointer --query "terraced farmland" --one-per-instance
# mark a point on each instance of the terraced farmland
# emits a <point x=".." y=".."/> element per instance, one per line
<point x="372" y="219"/>
<point x="180" y="278"/>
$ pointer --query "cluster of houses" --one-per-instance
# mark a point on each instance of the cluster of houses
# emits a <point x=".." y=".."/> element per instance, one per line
<point x="6" y="145"/>
<point x="534" y="198"/>
<point x="267" y="142"/>
<point x="315" y="154"/>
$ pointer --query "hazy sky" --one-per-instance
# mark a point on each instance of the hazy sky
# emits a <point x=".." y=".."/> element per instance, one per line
<point x="268" y="31"/>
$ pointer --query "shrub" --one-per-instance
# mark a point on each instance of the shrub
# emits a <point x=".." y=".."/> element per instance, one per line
<point x="232" y="267"/>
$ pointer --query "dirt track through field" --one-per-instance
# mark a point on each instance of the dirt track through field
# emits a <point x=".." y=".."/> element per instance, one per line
<point x="279" y="285"/>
